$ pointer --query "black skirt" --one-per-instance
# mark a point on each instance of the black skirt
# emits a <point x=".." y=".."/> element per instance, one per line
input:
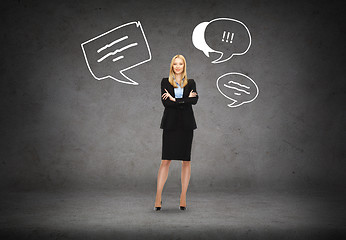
<point x="176" y="144"/>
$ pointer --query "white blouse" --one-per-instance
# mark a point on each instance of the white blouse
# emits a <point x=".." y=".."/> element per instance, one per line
<point x="179" y="90"/>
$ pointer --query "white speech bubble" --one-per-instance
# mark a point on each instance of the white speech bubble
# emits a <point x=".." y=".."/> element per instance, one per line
<point x="116" y="51"/>
<point x="237" y="87"/>
<point x="228" y="37"/>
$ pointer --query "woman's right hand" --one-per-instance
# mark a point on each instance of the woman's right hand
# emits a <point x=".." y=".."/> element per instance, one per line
<point x="192" y="94"/>
<point x="167" y="95"/>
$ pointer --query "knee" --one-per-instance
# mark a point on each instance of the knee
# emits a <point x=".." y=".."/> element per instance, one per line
<point x="165" y="162"/>
<point x="185" y="163"/>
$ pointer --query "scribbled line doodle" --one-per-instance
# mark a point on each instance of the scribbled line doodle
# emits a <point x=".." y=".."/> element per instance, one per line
<point x="225" y="36"/>
<point x="112" y="53"/>
<point x="237" y="87"/>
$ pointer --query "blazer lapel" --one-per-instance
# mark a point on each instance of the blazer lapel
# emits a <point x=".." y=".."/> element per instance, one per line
<point x="184" y="90"/>
<point x="172" y="88"/>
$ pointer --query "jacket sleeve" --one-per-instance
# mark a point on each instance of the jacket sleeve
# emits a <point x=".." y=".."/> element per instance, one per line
<point x="167" y="102"/>
<point x="189" y="100"/>
<point x="178" y="101"/>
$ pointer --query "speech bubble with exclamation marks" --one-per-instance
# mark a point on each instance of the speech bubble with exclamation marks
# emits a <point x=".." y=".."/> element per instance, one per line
<point x="112" y="53"/>
<point x="237" y="87"/>
<point x="226" y="36"/>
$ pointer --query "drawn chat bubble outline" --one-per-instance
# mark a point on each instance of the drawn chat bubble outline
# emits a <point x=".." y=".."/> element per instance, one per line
<point x="198" y="39"/>
<point x="130" y="81"/>
<point x="234" y="100"/>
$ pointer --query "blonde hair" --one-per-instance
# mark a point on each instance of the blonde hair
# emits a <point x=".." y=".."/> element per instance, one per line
<point x="172" y="74"/>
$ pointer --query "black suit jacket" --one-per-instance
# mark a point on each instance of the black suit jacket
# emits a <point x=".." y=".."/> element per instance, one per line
<point x="179" y="114"/>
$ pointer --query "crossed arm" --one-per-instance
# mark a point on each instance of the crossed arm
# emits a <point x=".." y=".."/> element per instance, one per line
<point x="169" y="101"/>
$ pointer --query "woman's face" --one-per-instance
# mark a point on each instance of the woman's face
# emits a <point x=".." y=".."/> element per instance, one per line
<point x="178" y="65"/>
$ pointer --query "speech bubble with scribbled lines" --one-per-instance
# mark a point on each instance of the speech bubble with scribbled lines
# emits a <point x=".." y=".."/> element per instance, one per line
<point x="112" y="53"/>
<point x="237" y="87"/>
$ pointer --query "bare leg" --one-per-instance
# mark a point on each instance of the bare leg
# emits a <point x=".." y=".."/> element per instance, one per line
<point x="161" y="180"/>
<point x="185" y="178"/>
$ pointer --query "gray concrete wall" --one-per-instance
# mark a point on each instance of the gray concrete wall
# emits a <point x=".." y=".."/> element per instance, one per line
<point x="61" y="128"/>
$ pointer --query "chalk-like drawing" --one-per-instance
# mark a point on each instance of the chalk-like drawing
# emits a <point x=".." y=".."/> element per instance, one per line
<point x="112" y="53"/>
<point x="237" y="87"/>
<point x="225" y="36"/>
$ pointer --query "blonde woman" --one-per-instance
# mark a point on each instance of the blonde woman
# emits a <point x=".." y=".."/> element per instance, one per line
<point x="178" y="123"/>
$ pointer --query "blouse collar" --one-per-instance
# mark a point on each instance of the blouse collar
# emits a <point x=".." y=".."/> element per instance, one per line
<point x="182" y="80"/>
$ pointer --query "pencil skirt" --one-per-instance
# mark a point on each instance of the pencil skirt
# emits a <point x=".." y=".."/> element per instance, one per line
<point x="176" y="144"/>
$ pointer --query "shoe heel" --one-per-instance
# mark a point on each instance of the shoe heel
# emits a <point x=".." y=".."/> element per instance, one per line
<point x="158" y="208"/>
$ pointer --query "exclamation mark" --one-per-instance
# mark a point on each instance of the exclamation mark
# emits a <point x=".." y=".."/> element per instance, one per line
<point x="223" y="37"/>
<point x="227" y="37"/>
<point x="232" y="38"/>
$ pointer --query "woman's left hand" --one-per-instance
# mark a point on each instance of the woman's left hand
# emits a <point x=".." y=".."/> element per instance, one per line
<point x="167" y="95"/>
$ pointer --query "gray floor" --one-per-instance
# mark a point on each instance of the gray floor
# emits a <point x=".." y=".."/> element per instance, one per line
<point x="115" y="214"/>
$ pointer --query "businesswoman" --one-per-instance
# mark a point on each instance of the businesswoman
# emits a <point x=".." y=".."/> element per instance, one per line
<point x="178" y="94"/>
